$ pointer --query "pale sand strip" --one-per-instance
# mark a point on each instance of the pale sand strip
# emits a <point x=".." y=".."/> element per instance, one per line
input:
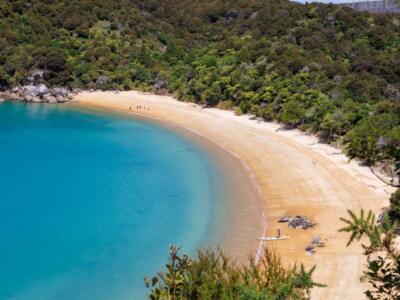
<point x="297" y="175"/>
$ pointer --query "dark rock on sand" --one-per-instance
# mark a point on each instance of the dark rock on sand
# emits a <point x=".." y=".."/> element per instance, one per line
<point x="301" y="222"/>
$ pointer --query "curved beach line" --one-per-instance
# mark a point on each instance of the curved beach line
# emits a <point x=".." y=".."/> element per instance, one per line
<point x="297" y="174"/>
<point x="242" y="184"/>
<point x="255" y="185"/>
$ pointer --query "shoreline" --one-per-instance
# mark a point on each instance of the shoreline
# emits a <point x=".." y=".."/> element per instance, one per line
<point x="297" y="175"/>
<point x="241" y="244"/>
<point x="244" y="220"/>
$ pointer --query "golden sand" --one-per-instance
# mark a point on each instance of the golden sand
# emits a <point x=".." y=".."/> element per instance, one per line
<point x="296" y="174"/>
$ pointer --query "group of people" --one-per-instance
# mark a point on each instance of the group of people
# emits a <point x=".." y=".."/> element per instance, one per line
<point x="139" y="107"/>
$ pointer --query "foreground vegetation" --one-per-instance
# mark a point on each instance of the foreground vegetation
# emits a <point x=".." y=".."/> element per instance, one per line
<point x="212" y="275"/>
<point x="382" y="251"/>
<point x="322" y="68"/>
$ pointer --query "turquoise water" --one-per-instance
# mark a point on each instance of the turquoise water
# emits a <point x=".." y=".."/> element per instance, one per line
<point x="90" y="201"/>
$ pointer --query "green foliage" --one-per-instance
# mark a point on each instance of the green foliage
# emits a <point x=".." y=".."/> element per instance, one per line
<point x="374" y="138"/>
<point x="394" y="209"/>
<point x="292" y="112"/>
<point x="360" y="226"/>
<point x="383" y="268"/>
<point x="322" y="68"/>
<point x="212" y="275"/>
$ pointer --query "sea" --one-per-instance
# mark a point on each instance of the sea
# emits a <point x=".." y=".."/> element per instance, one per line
<point x="90" y="201"/>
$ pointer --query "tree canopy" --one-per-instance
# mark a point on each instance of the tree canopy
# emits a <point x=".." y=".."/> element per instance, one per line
<point x="324" y="68"/>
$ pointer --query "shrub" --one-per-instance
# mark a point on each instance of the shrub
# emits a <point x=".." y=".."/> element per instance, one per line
<point x="383" y="267"/>
<point x="213" y="275"/>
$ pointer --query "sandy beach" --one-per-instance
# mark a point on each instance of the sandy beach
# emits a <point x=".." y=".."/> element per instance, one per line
<point x="295" y="174"/>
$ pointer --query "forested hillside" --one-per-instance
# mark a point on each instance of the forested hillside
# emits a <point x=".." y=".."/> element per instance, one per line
<point x="323" y="68"/>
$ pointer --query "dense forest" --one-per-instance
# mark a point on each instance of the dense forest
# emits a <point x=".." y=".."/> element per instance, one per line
<point x="326" y="69"/>
<point x="323" y="68"/>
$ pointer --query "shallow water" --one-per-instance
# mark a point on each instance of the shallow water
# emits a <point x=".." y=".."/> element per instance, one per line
<point x="90" y="201"/>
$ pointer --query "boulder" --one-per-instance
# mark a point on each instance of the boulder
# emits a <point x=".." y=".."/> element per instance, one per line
<point x="42" y="89"/>
<point x="61" y="99"/>
<point x="16" y="89"/>
<point x="30" y="90"/>
<point x="40" y="93"/>
<point x="59" y="92"/>
<point x="28" y="98"/>
<point x="302" y="222"/>
<point x="49" y="98"/>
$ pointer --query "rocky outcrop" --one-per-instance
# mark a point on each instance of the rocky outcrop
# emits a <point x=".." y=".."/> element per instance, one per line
<point x="39" y="93"/>
<point x="379" y="6"/>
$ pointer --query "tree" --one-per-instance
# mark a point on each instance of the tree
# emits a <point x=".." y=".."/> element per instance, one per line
<point x="383" y="267"/>
<point x="292" y="113"/>
<point x="323" y="68"/>
<point x="329" y="127"/>
<point x="376" y="139"/>
<point x="211" y="96"/>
